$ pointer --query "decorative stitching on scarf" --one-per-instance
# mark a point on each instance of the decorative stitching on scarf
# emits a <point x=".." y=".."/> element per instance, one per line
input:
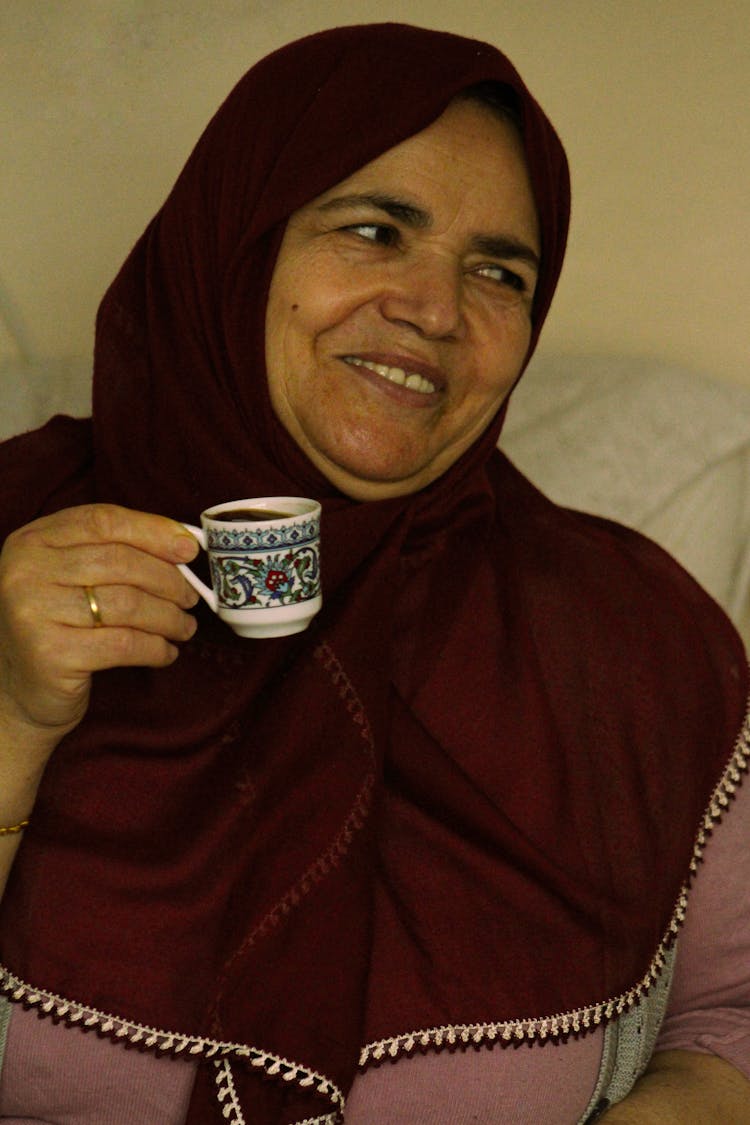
<point x="355" y="820"/>
<point x="231" y="1109"/>
<point x="358" y="814"/>
<point x="348" y="694"/>
<point x="724" y="792"/>
<point x="167" y="1042"/>
<point x="317" y="870"/>
<point x="582" y="1020"/>
<point x="546" y="1029"/>
<point x="320" y="867"/>
<point x="326" y="1119"/>
<point x="511" y="1032"/>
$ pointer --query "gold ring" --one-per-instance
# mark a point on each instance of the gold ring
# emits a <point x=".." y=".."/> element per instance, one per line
<point x="94" y="607"/>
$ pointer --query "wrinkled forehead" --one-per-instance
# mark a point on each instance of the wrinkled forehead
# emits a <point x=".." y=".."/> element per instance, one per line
<point x="497" y="100"/>
<point x="368" y="89"/>
<point x="466" y="172"/>
<point x="311" y="114"/>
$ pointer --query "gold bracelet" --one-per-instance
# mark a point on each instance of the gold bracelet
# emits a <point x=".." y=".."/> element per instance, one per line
<point x="12" y="829"/>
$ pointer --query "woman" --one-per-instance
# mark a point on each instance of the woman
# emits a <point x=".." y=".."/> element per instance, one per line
<point x="443" y="820"/>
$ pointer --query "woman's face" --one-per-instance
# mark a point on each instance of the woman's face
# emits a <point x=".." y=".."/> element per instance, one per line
<point x="399" y="312"/>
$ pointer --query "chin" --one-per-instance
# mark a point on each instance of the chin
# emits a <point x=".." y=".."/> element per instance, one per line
<point x="363" y="482"/>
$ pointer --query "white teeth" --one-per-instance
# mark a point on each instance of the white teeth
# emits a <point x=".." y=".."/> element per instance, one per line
<point x="412" y="381"/>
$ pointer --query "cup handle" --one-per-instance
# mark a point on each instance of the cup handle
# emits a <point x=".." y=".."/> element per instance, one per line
<point x="205" y="591"/>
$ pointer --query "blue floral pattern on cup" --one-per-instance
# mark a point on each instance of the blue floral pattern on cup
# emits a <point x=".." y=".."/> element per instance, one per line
<point x="262" y="538"/>
<point x="266" y="581"/>
<point x="264" y="567"/>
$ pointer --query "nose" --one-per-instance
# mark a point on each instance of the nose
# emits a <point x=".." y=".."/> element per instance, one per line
<point x="426" y="295"/>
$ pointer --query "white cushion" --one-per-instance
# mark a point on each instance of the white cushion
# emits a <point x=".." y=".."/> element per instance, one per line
<point x="31" y="391"/>
<point x="651" y="445"/>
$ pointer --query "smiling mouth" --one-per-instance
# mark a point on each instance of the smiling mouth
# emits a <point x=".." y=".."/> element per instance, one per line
<point x="412" y="380"/>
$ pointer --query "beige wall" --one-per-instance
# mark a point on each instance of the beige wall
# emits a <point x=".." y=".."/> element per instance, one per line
<point x="101" y="100"/>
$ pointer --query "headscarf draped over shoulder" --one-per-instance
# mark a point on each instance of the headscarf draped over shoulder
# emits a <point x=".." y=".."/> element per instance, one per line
<point x="462" y="809"/>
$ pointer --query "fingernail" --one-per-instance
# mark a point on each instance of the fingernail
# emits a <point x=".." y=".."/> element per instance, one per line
<point x="185" y="547"/>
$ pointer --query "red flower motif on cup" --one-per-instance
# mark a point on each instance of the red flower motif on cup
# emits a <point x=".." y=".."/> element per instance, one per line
<point x="276" y="579"/>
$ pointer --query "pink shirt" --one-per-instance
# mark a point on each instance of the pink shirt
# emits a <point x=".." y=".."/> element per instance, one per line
<point x="53" y="1075"/>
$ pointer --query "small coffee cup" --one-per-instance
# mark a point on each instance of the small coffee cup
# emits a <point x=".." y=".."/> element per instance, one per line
<point x="264" y="560"/>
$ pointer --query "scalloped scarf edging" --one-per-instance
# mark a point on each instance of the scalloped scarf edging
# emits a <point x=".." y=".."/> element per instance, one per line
<point x="554" y="1028"/>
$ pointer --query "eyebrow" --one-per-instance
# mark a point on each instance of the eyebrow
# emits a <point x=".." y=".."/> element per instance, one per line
<point x="406" y="213"/>
<point x="495" y="245"/>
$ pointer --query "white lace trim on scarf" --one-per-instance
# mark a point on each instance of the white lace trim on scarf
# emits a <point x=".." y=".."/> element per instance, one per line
<point x="543" y="1029"/>
<point x="557" y="1027"/>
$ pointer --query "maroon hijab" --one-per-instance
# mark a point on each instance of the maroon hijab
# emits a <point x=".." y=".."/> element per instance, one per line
<point x="462" y="808"/>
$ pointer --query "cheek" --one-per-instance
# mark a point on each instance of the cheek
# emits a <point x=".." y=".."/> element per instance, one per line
<point x="503" y="351"/>
<point x="292" y="331"/>
<point x="317" y="291"/>
<point x="308" y="321"/>
<point x="283" y="319"/>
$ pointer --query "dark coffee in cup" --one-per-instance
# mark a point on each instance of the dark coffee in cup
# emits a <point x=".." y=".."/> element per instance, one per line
<point x="251" y="515"/>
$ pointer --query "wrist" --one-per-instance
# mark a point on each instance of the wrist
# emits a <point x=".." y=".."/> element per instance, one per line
<point x="22" y="734"/>
<point x="14" y="829"/>
<point x="25" y="749"/>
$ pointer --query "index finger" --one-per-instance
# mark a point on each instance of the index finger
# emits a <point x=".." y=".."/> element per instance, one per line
<point x="157" y="535"/>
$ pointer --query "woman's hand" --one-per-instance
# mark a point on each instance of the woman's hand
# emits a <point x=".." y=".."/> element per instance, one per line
<point x="50" y="643"/>
<point x="685" y="1088"/>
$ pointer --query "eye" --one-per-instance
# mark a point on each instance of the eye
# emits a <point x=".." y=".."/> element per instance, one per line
<point x="381" y="233"/>
<point x="503" y="276"/>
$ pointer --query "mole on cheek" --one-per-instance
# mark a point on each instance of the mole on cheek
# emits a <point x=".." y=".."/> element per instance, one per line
<point x="295" y="307"/>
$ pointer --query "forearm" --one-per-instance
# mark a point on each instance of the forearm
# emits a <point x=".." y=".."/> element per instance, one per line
<point x="50" y="645"/>
<point x="8" y="848"/>
<point x="23" y="756"/>
<point x="685" y="1088"/>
